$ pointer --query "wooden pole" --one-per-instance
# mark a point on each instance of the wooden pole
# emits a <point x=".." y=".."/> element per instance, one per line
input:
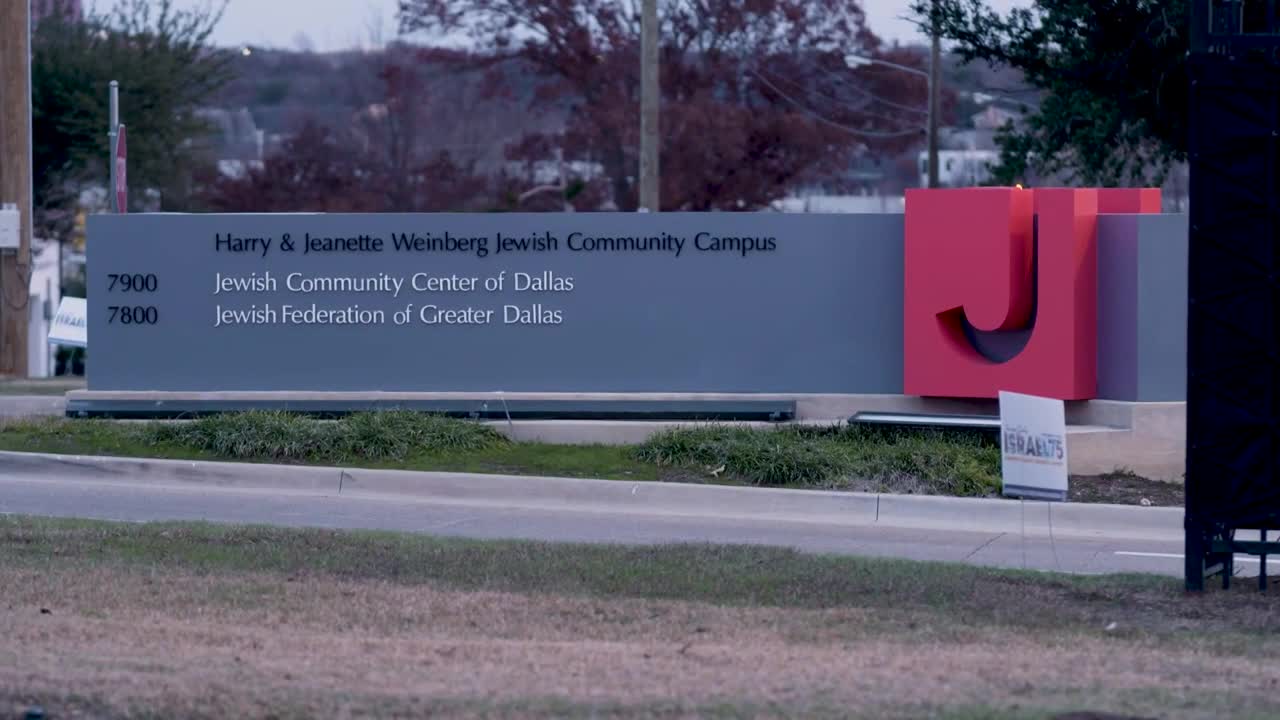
<point x="935" y="96"/>
<point x="650" y="98"/>
<point x="15" y="180"/>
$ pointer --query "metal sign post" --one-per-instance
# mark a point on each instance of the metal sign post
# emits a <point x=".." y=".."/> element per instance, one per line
<point x="113" y="131"/>
<point x="120" y="187"/>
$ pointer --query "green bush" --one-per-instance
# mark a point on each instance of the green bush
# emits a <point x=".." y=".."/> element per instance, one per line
<point x="273" y="435"/>
<point x="848" y="457"/>
<point x="396" y="433"/>
<point x="768" y="457"/>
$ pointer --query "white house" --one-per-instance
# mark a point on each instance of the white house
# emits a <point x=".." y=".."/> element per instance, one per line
<point x="42" y="303"/>
<point x="960" y="168"/>
<point x="44" y="294"/>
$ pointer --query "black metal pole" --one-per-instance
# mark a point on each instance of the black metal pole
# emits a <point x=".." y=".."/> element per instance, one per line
<point x="1194" y="556"/>
<point x="1262" y="562"/>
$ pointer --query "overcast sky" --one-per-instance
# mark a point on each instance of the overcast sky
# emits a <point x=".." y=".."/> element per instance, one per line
<point x="338" y="24"/>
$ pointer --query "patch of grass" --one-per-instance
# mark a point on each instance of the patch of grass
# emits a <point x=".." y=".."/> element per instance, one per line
<point x="363" y="704"/>
<point x="160" y="619"/>
<point x="370" y="438"/>
<point x="358" y="704"/>
<point x="605" y="462"/>
<point x="1068" y="703"/>
<point x="847" y="457"/>
<point x="381" y="436"/>
<point x="1142" y="606"/>
<point x="250" y="436"/>
<point x="389" y="440"/>
<point x="91" y="437"/>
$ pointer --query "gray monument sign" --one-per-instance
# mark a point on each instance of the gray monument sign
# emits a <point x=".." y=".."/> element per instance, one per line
<point x="609" y="302"/>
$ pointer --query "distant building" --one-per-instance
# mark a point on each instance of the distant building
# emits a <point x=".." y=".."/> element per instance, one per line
<point x="45" y="290"/>
<point x="840" y="204"/>
<point x="994" y="118"/>
<point x="960" y="168"/>
<point x="546" y="172"/>
<point x="967" y="155"/>
<point x="236" y="142"/>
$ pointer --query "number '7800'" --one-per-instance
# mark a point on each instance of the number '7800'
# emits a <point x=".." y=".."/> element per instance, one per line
<point x="133" y="314"/>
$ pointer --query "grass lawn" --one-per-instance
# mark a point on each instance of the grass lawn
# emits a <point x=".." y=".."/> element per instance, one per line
<point x="266" y="437"/>
<point x="190" y="620"/>
<point x="840" y="458"/>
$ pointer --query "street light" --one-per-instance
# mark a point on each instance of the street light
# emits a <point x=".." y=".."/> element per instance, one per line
<point x="855" y="61"/>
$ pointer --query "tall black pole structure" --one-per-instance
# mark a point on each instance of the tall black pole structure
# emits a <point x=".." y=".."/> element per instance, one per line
<point x="1233" y="338"/>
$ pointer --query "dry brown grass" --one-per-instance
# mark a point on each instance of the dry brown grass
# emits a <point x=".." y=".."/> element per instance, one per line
<point x="96" y="633"/>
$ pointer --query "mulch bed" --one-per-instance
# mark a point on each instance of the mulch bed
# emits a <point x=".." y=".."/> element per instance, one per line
<point x="1124" y="489"/>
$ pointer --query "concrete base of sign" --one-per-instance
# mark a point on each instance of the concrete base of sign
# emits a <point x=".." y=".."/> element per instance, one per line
<point x="1103" y="436"/>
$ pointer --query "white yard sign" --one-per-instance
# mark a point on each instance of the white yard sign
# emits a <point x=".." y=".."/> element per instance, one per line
<point x="70" y="324"/>
<point x="1033" y="446"/>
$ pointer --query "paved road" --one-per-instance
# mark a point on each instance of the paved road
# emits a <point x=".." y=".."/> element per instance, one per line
<point x="67" y="495"/>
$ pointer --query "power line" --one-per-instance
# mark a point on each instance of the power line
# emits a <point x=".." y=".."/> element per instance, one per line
<point x="835" y="100"/>
<point x="828" y="121"/>
<point x="877" y="98"/>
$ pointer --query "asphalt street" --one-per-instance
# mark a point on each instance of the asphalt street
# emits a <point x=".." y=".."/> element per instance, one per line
<point x="69" y="495"/>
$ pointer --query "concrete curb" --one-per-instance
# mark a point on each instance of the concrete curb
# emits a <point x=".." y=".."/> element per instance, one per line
<point x="615" y="496"/>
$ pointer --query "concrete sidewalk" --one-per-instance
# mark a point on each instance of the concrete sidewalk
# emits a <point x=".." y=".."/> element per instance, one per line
<point x="675" y="500"/>
<point x="27" y="406"/>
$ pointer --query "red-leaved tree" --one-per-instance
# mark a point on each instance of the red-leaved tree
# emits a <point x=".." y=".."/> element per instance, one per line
<point x="379" y="162"/>
<point x="312" y="172"/>
<point x="757" y="96"/>
<point x="319" y="170"/>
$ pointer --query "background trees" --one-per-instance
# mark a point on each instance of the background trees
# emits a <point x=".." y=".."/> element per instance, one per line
<point x="162" y="58"/>
<point x="1112" y="72"/>
<point x="756" y="96"/>
<point x="380" y="159"/>
<point x="540" y="112"/>
<point x="759" y="99"/>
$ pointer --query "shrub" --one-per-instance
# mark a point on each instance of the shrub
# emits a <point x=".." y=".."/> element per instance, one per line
<point x="275" y="435"/>
<point x="848" y="457"/>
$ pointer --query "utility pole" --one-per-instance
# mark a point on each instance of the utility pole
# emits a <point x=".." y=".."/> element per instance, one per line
<point x="15" y="180"/>
<point x="935" y="94"/>
<point x="650" y="99"/>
